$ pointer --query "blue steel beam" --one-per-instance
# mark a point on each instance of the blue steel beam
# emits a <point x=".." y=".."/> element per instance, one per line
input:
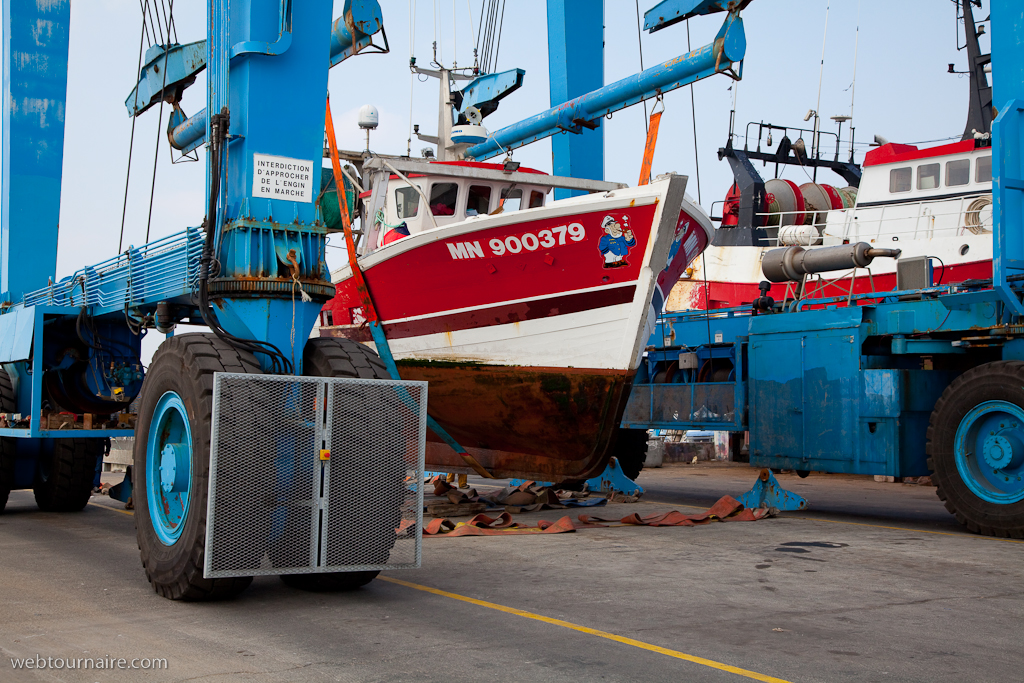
<point x="266" y="216"/>
<point x="1008" y="147"/>
<point x="585" y="111"/>
<point x="669" y="12"/>
<point x="575" y="67"/>
<point x="350" y="33"/>
<point x="35" y="61"/>
<point x="485" y="91"/>
<point x="165" y="73"/>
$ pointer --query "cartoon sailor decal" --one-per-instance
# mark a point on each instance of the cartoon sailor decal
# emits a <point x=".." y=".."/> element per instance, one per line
<point x="616" y="242"/>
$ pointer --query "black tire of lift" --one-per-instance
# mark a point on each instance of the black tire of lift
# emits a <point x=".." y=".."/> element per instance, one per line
<point x="335" y="357"/>
<point x="185" y="363"/>
<point x="66" y="474"/>
<point x="1001" y="380"/>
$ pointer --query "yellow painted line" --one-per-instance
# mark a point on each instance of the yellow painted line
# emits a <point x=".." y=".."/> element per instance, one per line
<point x="590" y="631"/>
<point x="112" y="509"/>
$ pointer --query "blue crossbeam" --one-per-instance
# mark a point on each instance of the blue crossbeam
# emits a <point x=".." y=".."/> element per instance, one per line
<point x="164" y="270"/>
<point x="585" y="111"/>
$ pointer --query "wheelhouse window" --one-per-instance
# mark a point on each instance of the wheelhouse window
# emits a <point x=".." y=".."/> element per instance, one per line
<point x="407" y="201"/>
<point x="443" y="197"/>
<point x="983" y="170"/>
<point x="512" y="200"/>
<point x="536" y="199"/>
<point x="479" y="201"/>
<point x="928" y="176"/>
<point x="900" y="179"/>
<point x="958" y="172"/>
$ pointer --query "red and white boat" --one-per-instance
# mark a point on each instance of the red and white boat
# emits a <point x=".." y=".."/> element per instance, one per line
<point x="934" y="202"/>
<point x="528" y="318"/>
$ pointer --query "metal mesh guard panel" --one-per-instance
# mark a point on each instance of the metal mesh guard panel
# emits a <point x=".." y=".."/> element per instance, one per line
<point x="276" y="507"/>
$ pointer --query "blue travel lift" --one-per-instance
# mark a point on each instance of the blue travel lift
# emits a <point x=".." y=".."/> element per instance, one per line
<point x="924" y="381"/>
<point x="254" y="272"/>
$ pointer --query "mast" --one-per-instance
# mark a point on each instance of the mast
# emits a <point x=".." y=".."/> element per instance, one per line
<point x="979" y="110"/>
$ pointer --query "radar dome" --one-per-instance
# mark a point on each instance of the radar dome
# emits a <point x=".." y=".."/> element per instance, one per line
<point x="368" y="117"/>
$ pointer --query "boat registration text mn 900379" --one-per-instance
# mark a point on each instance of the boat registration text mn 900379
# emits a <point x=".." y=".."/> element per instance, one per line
<point x="513" y="244"/>
<point x="282" y="178"/>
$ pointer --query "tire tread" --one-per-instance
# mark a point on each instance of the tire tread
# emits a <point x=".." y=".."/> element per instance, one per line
<point x="962" y="394"/>
<point x="204" y="354"/>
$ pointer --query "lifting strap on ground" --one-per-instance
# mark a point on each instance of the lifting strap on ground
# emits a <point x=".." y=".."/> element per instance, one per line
<point x="727" y="509"/>
<point x="370" y="311"/>
<point x="652" y="142"/>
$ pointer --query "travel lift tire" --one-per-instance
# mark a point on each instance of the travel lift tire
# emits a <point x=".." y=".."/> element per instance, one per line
<point x="66" y="473"/>
<point x="976" y="448"/>
<point x="334" y="357"/>
<point x="176" y="407"/>
<point x="8" y="449"/>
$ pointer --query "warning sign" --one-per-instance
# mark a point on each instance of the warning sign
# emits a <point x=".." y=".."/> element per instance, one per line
<point x="282" y="178"/>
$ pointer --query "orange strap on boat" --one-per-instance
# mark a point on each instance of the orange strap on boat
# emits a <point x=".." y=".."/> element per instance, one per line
<point x="369" y="310"/>
<point x="652" y="141"/>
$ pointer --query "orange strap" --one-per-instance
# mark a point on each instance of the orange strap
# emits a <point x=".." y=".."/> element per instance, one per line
<point x="652" y="141"/>
<point x="369" y="312"/>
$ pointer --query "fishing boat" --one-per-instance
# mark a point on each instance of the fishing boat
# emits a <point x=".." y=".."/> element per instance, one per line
<point x="932" y="203"/>
<point x="528" y="318"/>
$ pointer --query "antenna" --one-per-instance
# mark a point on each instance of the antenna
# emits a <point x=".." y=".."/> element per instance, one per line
<point x="853" y="86"/>
<point x="474" y="116"/>
<point x="821" y="74"/>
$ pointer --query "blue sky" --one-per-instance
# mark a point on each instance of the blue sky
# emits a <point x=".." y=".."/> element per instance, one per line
<point x="903" y="93"/>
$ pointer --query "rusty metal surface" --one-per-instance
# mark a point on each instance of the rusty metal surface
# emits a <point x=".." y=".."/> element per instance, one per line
<point x="546" y="423"/>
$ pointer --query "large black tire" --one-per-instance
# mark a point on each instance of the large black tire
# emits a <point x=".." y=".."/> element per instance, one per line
<point x="998" y="381"/>
<point x="65" y="474"/>
<point x="184" y="364"/>
<point x="630" y="450"/>
<point x="8" y="449"/>
<point x="334" y="357"/>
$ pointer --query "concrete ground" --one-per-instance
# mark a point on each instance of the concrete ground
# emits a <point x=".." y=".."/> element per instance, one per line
<point x="876" y="582"/>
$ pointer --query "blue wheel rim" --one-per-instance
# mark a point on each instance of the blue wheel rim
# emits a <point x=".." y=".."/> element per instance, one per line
<point x="989" y="451"/>
<point x="169" y="468"/>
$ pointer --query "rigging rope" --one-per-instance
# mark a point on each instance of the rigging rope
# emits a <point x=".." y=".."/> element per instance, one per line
<point x="693" y="117"/>
<point x="472" y="34"/>
<point x="131" y="140"/>
<point x="159" y="124"/>
<point x="489" y="34"/>
<point x="696" y="159"/>
<point x="500" y="26"/>
<point x="640" y="47"/>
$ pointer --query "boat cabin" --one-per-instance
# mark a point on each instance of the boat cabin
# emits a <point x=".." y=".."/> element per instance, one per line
<point x="896" y="173"/>
<point x="452" y="199"/>
<point x="910" y="193"/>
